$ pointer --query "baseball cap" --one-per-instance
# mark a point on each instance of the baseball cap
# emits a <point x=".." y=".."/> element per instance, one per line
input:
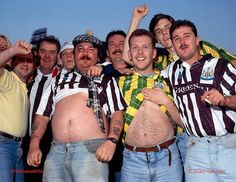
<point x="66" y="45"/>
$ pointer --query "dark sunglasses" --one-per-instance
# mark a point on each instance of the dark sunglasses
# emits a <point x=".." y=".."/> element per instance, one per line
<point x="23" y="60"/>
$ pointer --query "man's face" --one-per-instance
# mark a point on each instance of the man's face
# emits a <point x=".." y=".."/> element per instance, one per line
<point x="185" y="43"/>
<point x="115" y="48"/>
<point x="48" y="56"/>
<point x="86" y="56"/>
<point x="162" y="35"/>
<point x="24" y="66"/>
<point x="142" y="53"/>
<point x="67" y="58"/>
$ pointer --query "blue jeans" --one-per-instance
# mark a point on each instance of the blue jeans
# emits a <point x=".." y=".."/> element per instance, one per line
<point x="11" y="163"/>
<point x="75" y="162"/>
<point x="211" y="159"/>
<point x="182" y="140"/>
<point x="152" y="166"/>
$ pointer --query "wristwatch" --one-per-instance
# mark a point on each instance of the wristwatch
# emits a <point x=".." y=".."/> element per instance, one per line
<point x="113" y="140"/>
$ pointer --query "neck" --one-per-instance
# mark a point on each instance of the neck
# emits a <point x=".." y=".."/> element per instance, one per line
<point x="45" y="71"/>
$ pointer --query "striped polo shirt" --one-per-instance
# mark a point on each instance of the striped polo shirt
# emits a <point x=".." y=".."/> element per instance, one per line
<point x="190" y="82"/>
<point x="131" y="87"/>
<point x="65" y="84"/>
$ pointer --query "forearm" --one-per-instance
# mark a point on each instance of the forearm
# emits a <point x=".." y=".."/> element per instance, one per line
<point x="116" y="125"/>
<point x="6" y="55"/>
<point x="174" y="113"/>
<point x="38" y="129"/>
<point x="229" y="101"/>
<point x="133" y="26"/>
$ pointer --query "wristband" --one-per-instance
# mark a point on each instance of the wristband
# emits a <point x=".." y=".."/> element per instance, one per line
<point x="113" y="140"/>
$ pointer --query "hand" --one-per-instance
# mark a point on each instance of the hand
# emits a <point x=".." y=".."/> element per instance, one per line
<point x="155" y="95"/>
<point x="34" y="156"/>
<point x="140" y="12"/>
<point x="94" y="71"/>
<point x="213" y="97"/>
<point x="22" y="47"/>
<point x="105" y="151"/>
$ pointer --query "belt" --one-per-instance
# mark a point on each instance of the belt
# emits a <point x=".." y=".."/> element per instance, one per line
<point x="156" y="148"/>
<point x="10" y="136"/>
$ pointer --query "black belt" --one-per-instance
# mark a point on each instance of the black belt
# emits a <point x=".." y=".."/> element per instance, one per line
<point x="163" y="145"/>
<point x="10" y="136"/>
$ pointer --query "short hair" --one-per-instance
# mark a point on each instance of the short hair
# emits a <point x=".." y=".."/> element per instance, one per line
<point x="51" y="39"/>
<point x="183" y="23"/>
<point x="141" y="32"/>
<point x="156" y="18"/>
<point x="115" y="32"/>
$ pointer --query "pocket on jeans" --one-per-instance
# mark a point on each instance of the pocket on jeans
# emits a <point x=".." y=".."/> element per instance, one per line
<point x="92" y="147"/>
<point x="229" y="141"/>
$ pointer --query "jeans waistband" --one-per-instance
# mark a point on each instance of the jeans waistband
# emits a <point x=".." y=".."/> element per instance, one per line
<point x="214" y="139"/>
<point x="156" y="148"/>
<point x="84" y="142"/>
<point x="10" y="136"/>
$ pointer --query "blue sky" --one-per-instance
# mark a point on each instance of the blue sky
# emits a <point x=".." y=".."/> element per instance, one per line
<point x="215" y="19"/>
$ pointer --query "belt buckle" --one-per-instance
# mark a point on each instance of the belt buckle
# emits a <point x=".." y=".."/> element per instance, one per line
<point x="134" y="149"/>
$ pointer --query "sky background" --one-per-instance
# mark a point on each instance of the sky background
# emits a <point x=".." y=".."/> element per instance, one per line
<point x="215" y="19"/>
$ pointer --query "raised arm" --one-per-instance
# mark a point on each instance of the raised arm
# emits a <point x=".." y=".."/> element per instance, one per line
<point x="38" y="129"/>
<point x="138" y="14"/>
<point x="20" y="47"/>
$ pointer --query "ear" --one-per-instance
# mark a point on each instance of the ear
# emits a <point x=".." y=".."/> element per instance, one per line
<point x="197" y="40"/>
<point x="130" y="58"/>
<point x="108" y="55"/>
<point x="154" y="53"/>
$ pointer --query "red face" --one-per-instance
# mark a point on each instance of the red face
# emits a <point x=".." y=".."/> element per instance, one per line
<point x="86" y="56"/>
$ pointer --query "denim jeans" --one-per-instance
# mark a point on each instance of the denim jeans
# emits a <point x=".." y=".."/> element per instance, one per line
<point x="211" y="159"/>
<point x="67" y="162"/>
<point x="152" y="166"/>
<point x="11" y="163"/>
<point x="182" y="140"/>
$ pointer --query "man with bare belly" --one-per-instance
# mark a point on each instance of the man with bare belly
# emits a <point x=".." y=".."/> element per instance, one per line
<point x="87" y="120"/>
<point x="150" y="151"/>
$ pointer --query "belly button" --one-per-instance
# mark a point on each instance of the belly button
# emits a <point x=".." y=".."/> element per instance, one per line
<point x="145" y="134"/>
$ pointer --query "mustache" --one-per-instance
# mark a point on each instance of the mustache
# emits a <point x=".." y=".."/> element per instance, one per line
<point x="117" y="51"/>
<point x="86" y="57"/>
<point x="183" y="46"/>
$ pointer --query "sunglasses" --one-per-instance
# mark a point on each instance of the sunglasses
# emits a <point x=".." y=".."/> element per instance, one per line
<point x="24" y="60"/>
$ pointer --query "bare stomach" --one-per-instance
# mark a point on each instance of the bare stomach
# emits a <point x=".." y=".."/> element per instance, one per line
<point x="149" y="127"/>
<point x="73" y="121"/>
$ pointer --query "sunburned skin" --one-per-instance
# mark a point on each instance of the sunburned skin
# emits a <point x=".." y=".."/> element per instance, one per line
<point x="149" y="127"/>
<point x="73" y="121"/>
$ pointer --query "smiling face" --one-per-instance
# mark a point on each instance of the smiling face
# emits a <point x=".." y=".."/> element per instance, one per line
<point x="185" y="44"/>
<point x="86" y="55"/>
<point x="23" y="66"/>
<point x="142" y="53"/>
<point x="115" y="48"/>
<point x="48" y="56"/>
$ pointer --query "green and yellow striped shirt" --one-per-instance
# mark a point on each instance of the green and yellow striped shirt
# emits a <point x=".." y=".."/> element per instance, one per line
<point x="131" y="87"/>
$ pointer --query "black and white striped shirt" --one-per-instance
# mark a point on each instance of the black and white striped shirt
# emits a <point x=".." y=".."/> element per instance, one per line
<point x="68" y="83"/>
<point x="37" y="87"/>
<point x="188" y="84"/>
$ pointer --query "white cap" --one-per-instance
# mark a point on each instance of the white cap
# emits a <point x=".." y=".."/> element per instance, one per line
<point x="66" y="45"/>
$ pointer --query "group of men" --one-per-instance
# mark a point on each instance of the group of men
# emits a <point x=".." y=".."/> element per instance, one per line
<point x="88" y="114"/>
